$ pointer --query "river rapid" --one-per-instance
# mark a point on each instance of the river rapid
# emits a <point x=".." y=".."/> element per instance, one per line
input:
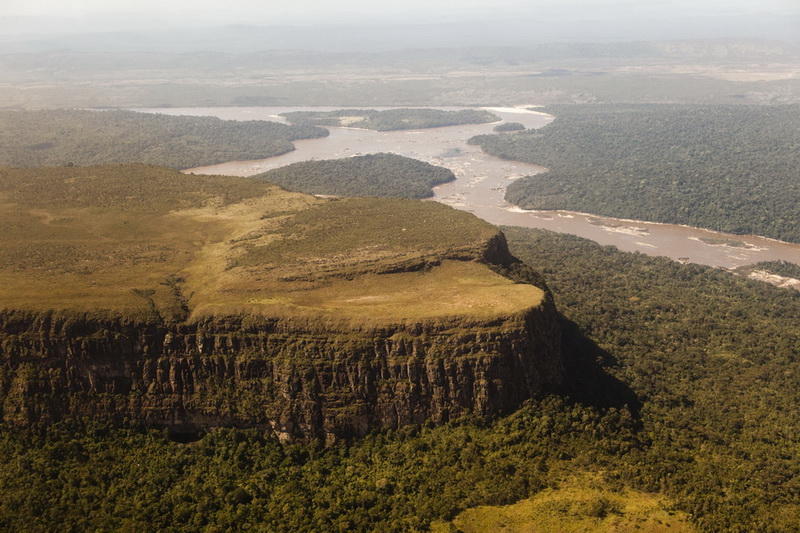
<point x="482" y="180"/>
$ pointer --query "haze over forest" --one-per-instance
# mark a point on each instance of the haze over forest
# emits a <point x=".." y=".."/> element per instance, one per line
<point x="356" y="25"/>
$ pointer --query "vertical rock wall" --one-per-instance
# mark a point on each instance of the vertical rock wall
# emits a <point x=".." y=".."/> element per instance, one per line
<point x="302" y="380"/>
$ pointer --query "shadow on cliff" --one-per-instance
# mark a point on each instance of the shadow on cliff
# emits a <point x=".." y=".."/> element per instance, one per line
<point x="588" y="381"/>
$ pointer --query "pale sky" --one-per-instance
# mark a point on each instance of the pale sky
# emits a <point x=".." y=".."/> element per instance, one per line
<point x="241" y="10"/>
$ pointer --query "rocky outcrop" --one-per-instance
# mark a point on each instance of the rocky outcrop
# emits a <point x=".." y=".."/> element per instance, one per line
<point x="302" y="379"/>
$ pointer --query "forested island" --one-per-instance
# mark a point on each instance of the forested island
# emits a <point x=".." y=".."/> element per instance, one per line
<point x="368" y="175"/>
<point x="734" y="169"/>
<point x="509" y="127"/>
<point x="686" y="387"/>
<point x="61" y="137"/>
<point x="391" y="119"/>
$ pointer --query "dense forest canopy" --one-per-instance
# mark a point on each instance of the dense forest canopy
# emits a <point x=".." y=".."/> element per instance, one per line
<point x="685" y="381"/>
<point x="734" y="169"/>
<point x="60" y="137"/>
<point x="715" y="361"/>
<point x="391" y="119"/>
<point x="368" y="175"/>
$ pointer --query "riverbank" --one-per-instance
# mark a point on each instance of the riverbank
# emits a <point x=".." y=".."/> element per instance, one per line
<point x="480" y="185"/>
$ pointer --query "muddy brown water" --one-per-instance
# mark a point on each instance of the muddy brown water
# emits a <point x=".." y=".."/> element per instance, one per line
<point x="482" y="179"/>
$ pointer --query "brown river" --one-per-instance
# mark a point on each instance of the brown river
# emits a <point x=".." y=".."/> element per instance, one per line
<point x="482" y="179"/>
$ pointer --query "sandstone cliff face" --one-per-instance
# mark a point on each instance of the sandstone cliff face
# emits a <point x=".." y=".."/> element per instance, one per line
<point x="302" y="380"/>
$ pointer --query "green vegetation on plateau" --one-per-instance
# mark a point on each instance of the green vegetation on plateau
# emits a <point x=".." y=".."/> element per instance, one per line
<point x="131" y="239"/>
<point x="61" y="137"/>
<point x="707" y="362"/>
<point x="734" y="169"/>
<point x="368" y="175"/>
<point x="96" y="238"/>
<point x="391" y="119"/>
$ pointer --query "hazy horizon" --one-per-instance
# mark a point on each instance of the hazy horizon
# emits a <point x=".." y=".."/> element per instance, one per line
<point x="435" y="22"/>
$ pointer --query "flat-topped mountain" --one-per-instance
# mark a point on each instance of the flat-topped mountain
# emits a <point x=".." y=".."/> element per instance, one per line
<point x="138" y="293"/>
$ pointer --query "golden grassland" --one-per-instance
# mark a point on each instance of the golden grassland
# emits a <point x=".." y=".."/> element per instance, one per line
<point x="139" y="240"/>
<point x="582" y="503"/>
<point x="454" y="288"/>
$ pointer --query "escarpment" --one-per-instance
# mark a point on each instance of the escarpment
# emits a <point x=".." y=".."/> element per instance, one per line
<point x="313" y="319"/>
<point x="299" y="380"/>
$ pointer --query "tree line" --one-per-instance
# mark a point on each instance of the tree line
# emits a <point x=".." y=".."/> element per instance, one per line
<point x="734" y="169"/>
<point x="391" y="119"/>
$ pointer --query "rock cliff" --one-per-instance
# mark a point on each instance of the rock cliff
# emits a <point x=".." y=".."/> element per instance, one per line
<point x="300" y="379"/>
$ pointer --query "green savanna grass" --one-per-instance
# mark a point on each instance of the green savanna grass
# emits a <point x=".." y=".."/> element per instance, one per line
<point x="139" y="240"/>
<point x="366" y="229"/>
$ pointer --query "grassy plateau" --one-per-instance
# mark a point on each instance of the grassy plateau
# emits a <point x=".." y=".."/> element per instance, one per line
<point x="137" y="240"/>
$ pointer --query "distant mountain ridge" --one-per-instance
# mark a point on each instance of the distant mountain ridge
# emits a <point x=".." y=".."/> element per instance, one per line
<point x="353" y="34"/>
